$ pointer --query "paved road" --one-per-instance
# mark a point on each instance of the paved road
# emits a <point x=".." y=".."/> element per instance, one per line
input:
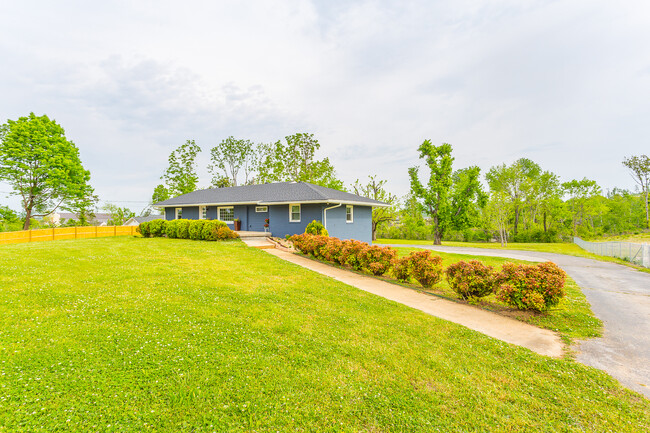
<point x="619" y="296"/>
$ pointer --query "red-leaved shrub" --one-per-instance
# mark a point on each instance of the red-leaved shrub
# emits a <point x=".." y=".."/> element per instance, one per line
<point x="531" y="287"/>
<point x="377" y="260"/>
<point x="352" y="252"/>
<point x="425" y="268"/>
<point x="402" y="269"/>
<point x="471" y="280"/>
<point x="332" y="251"/>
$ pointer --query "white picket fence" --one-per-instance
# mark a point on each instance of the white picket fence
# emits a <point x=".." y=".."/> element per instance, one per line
<point x="635" y="253"/>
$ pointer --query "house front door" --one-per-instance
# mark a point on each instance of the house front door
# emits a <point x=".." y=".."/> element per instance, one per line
<point x="256" y="217"/>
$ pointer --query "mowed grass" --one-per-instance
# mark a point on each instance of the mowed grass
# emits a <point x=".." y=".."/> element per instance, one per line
<point x="132" y="334"/>
<point x="572" y="318"/>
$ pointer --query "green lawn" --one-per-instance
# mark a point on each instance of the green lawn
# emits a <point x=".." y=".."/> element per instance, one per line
<point x="572" y="318"/>
<point x="132" y="334"/>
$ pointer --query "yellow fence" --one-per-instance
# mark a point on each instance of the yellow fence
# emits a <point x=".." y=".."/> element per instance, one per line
<point x="64" y="233"/>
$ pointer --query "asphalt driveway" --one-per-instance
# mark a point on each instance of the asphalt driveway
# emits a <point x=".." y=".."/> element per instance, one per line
<point x="619" y="296"/>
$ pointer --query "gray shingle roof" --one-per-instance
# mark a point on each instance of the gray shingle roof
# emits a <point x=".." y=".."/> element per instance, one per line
<point x="268" y="193"/>
<point x="142" y="219"/>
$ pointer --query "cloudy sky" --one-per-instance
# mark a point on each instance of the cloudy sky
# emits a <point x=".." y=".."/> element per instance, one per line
<point x="564" y="83"/>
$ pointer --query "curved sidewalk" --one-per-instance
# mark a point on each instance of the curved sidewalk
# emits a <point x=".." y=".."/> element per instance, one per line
<point x="542" y="341"/>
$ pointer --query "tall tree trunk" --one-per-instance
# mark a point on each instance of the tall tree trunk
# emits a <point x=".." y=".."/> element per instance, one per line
<point x="544" y="221"/>
<point x="28" y="216"/>
<point x="374" y="231"/>
<point x="516" y="218"/>
<point x="436" y="231"/>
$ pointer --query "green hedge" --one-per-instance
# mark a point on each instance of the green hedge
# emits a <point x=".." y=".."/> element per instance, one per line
<point x="198" y="230"/>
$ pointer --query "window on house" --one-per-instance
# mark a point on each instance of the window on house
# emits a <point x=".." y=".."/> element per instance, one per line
<point x="227" y="214"/>
<point x="294" y="213"/>
<point x="261" y="209"/>
<point x="179" y="213"/>
<point x="203" y="213"/>
<point x="349" y="213"/>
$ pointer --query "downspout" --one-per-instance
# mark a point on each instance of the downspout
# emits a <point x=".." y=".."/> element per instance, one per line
<point x="325" y="214"/>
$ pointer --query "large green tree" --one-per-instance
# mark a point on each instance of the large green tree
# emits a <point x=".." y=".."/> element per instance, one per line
<point x="639" y="167"/>
<point x="581" y="194"/>
<point x="41" y="165"/>
<point x="295" y="160"/>
<point x="467" y="198"/>
<point x="375" y="190"/>
<point x="435" y="194"/>
<point x="230" y="157"/>
<point x="181" y="176"/>
<point x="518" y="182"/>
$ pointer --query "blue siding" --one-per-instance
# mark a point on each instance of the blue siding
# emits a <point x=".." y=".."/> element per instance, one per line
<point x="360" y="229"/>
<point x="255" y="220"/>
<point x="279" y="225"/>
<point x="279" y="219"/>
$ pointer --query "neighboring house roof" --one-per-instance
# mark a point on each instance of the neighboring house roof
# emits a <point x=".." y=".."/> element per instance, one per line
<point x="143" y="219"/>
<point x="267" y="194"/>
<point x="100" y="218"/>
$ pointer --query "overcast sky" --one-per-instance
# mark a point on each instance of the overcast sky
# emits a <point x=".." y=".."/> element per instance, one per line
<point x="564" y="83"/>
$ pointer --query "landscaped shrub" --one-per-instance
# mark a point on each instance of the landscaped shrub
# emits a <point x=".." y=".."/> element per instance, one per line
<point x="157" y="228"/>
<point x="316" y="244"/>
<point x="351" y="253"/>
<point x="223" y="233"/>
<point x="426" y="268"/>
<point x="196" y="230"/>
<point x="531" y="287"/>
<point x="332" y="251"/>
<point x="402" y="269"/>
<point x="209" y="229"/>
<point x="171" y="229"/>
<point x="316" y="228"/>
<point x="298" y="242"/>
<point x="183" y="229"/>
<point x="143" y="229"/>
<point x="471" y="280"/>
<point x="377" y="260"/>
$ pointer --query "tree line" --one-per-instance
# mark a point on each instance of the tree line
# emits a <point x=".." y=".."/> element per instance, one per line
<point x="236" y="162"/>
<point x="522" y="203"/>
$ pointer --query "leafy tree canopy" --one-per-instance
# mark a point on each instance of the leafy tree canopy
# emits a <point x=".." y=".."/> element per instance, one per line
<point x="41" y="165"/>
<point x="230" y="157"/>
<point x="375" y="190"/>
<point x="180" y="176"/>
<point x="295" y="160"/>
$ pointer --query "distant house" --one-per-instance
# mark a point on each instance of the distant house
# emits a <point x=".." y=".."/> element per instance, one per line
<point x="136" y="221"/>
<point x="288" y="206"/>
<point x="58" y="218"/>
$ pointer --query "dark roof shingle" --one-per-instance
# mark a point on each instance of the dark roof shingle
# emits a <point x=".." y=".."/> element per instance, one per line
<point x="268" y="193"/>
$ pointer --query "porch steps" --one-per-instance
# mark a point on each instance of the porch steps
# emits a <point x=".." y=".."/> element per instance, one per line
<point x="256" y="239"/>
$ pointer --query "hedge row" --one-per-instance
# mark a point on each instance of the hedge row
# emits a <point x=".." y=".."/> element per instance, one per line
<point x="527" y="287"/>
<point x="198" y="230"/>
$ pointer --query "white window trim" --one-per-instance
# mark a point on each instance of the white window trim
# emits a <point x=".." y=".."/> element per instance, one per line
<point x="299" y="212"/>
<point x="176" y="213"/>
<point x="258" y="209"/>
<point x="226" y="207"/>
<point x="201" y="209"/>
<point x="349" y="206"/>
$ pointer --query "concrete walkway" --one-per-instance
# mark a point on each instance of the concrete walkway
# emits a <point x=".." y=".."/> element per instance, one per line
<point x="619" y="296"/>
<point x="542" y="341"/>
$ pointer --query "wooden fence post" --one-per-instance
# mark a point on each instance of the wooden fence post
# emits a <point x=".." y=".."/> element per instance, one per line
<point x="29" y="237"/>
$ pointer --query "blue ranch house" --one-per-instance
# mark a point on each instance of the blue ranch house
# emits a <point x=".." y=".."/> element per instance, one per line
<point x="289" y="207"/>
